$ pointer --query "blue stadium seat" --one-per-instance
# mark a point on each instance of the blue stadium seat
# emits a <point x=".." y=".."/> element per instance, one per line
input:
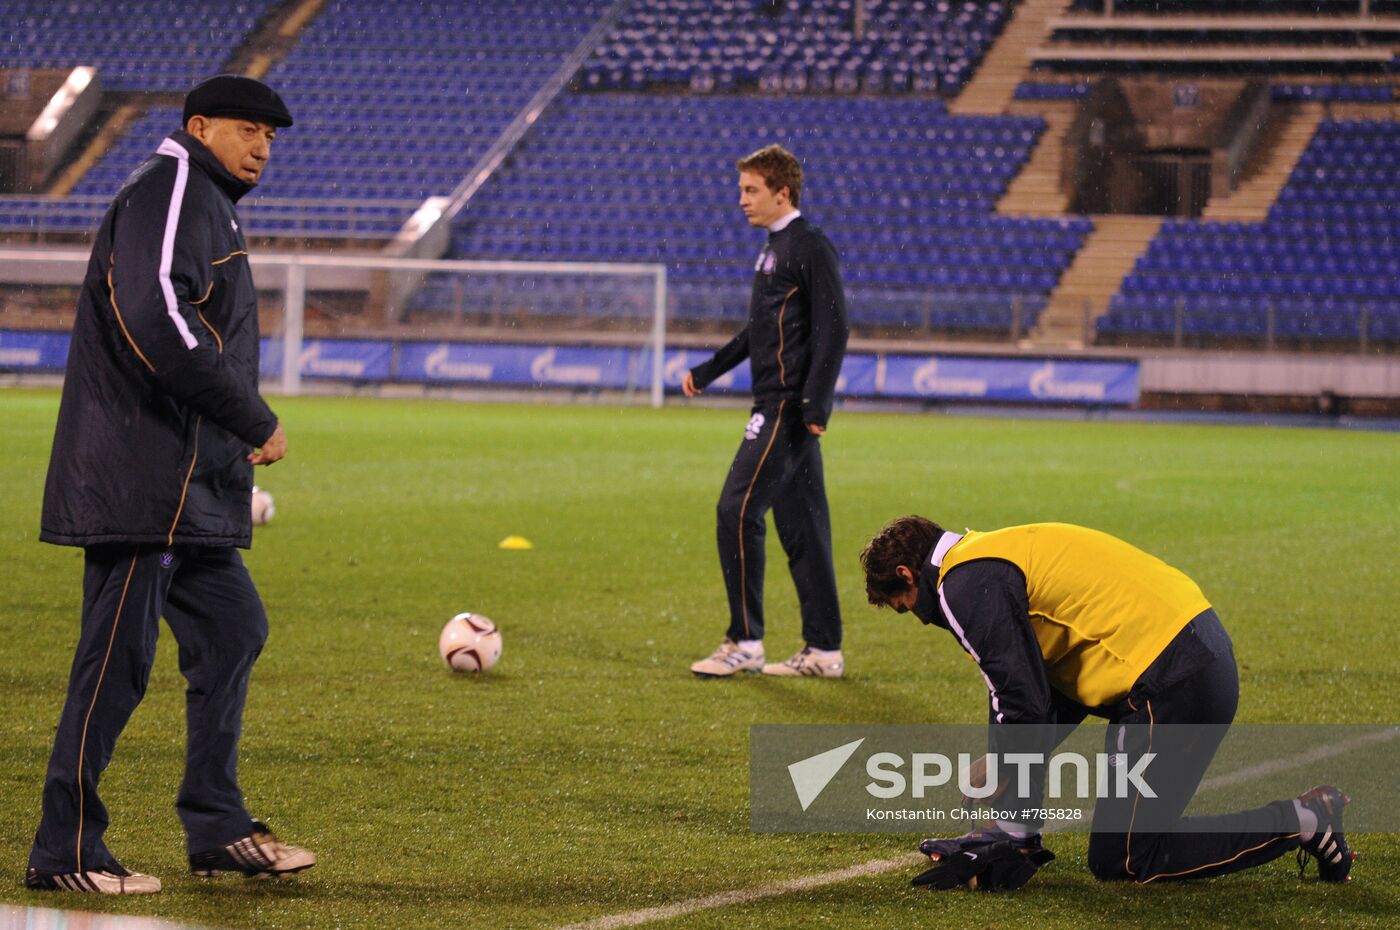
<point x="1333" y="237"/>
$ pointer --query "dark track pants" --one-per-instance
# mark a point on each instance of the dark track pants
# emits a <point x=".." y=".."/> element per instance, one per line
<point x="214" y="611"/>
<point x="778" y="467"/>
<point x="1159" y="844"/>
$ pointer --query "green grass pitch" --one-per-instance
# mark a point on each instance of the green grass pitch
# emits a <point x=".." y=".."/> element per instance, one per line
<point x="590" y="774"/>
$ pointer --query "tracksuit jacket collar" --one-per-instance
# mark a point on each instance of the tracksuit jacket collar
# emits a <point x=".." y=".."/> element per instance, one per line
<point x="784" y="221"/>
<point x="210" y="165"/>
<point x="926" y="606"/>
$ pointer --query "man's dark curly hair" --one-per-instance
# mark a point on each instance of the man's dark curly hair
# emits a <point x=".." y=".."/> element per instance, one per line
<point x="906" y="541"/>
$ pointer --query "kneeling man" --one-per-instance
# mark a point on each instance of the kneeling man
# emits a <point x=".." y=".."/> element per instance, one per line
<point x="1064" y="622"/>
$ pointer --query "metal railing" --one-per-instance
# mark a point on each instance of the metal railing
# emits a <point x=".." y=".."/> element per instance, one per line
<point x="331" y="218"/>
<point x="1317" y="325"/>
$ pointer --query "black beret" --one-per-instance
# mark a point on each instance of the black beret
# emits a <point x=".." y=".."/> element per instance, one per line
<point x="234" y="95"/>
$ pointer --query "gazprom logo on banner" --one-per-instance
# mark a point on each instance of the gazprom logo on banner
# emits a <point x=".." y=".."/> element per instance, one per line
<point x="675" y="370"/>
<point x="312" y="363"/>
<point x="351" y="359"/>
<point x="34" y="351"/>
<point x="20" y="358"/>
<point x="929" y="382"/>
<point x="678" y="366"/>
<point x="544" y="370"/>
<point x="1045" y="385"/>
<point x="439" y="364"/>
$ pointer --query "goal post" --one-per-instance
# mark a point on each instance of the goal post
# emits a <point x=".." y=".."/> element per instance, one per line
<point x="557" y="304"/>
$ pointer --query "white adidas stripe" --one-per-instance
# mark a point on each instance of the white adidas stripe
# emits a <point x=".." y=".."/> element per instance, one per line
<point x="73" y="882"/>
<point x="167" y="246"/>
<point x="957" y="629"/>
<point x="239" y="853"/>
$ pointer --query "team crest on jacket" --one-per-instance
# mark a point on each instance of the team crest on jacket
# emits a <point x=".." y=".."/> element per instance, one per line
<point x="754" y="427"/>
<point x="767" y="261"/>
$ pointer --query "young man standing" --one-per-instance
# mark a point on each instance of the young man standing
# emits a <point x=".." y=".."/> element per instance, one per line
<point x="1064" y="622"/>
<point x="158" y="431"/>
<point x="795" y="341"/>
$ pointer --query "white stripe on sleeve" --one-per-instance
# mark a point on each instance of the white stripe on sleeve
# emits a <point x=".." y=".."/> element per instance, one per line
<point x="957" y="629"/>
<point x="167" y="246"/>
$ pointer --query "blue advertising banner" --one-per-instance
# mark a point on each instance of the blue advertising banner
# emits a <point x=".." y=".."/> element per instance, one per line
<point x="541" y="365"/>
<point x="857" y="372"/>
<point x="859" y="376"/>
<point x="680" y="361"/>
<point x="1022" y="380"/>
<point x="270" y="358"/>
<point x="936" y="377"/>
<point x="341" y="359"/>
<point x="20" y="351"/>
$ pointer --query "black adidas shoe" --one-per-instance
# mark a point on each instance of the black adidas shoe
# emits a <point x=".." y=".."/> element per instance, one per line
<point x="111" y="880"/>
<point x="1328" y="844"/>
<point x="260" y="854"/>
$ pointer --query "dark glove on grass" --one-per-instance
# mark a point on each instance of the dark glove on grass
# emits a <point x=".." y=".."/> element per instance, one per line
<point x="987" y="860"/>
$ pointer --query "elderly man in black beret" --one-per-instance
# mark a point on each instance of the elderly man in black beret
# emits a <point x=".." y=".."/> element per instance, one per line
<point x="151" y="473"/>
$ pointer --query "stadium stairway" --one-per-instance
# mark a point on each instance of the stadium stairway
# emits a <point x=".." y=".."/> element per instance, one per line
<point x="1321" y="268"/>
<point x="1095" y="275"/>
<point x="1008" y="61"/>
<point x="1364" y="111"/>
<point x="1036" y="190"/>
<point x="1274" y="159"/>
<point x="277" y="37"/>
<point x="276" y="33"/>
<point x="113" y="127"/>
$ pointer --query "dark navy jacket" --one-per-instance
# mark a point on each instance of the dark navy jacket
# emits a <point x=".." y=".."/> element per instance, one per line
<point x="796" y="336"/>
<point x="160" y="400"/>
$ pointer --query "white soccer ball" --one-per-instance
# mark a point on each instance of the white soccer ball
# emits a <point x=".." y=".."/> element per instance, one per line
<point x="470" y="643"/>
<point x="264" y="509"/>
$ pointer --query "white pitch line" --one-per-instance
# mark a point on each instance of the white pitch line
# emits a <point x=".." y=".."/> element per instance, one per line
<point x="1303" y="758"/>
<point x="1266" y="768"/>
<point x="745" y="895"/>
<point x="878" y="866"/>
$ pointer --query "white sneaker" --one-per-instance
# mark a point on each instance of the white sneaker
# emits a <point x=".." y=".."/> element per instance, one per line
<point x="259" y="854"/>
<point x="729" y="658"/>
<point x="115" y="880"/>
<point x="809" y="663"/>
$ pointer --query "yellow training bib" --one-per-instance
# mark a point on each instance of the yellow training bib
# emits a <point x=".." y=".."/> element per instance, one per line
<point x="1101" y="609"/>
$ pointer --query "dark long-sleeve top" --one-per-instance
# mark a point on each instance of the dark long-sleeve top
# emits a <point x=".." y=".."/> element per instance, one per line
<point x="795" y="339"/>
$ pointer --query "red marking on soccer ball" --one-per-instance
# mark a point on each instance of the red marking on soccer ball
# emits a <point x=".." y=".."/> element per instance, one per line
<point x="470" y="643"/>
